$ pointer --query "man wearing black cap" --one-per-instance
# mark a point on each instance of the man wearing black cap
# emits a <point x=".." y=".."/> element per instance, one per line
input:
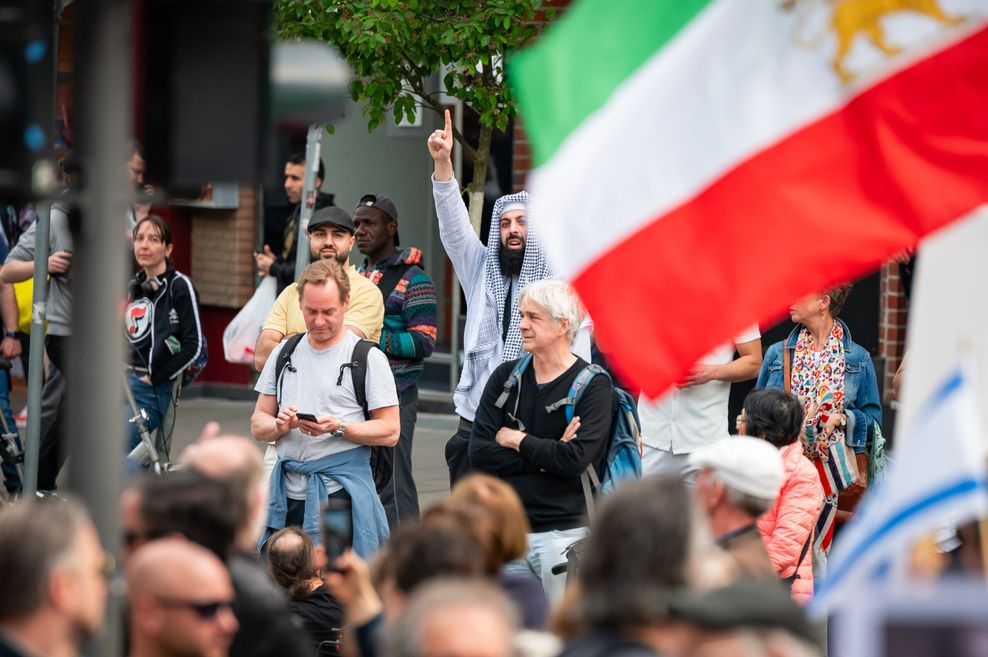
<point x="330" y="238"/>
<point x="408" y="336"/>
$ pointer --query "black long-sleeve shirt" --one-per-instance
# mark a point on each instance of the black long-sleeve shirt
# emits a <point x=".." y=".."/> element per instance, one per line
<point x="545" y="472"/>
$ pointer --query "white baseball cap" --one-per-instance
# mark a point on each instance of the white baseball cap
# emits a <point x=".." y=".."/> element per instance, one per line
<point x="747" y="465"/>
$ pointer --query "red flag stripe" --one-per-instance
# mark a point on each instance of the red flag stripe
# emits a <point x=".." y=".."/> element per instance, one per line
<point x="825" y="205"/>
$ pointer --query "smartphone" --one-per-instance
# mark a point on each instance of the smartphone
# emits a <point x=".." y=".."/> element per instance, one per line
<point x="337" y="529"/>
<point x="308" y="417"/>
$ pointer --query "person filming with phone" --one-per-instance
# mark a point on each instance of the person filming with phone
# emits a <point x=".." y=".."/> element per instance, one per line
<point x="325" y="398"/>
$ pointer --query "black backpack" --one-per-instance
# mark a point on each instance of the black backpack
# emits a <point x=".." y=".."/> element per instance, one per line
<point x="382" y="458"/>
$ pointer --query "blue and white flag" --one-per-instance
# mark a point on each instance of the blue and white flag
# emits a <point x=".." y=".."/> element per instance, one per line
<point x="938" y="478"/>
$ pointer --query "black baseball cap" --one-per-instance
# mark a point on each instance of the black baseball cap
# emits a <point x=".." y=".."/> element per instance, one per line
<point x="382" y="203"/>
<point x="331" y="215"/>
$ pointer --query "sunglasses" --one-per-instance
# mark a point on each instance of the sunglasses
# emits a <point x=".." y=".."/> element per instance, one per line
<point x="205" y="610"/>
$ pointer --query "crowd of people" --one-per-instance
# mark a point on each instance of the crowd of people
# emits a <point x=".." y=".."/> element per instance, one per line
<point x="320" y="548"/>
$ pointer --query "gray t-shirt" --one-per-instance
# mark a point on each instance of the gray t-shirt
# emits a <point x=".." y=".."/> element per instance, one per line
<point x="312" y="389"/>
<point x="59" y="307"/>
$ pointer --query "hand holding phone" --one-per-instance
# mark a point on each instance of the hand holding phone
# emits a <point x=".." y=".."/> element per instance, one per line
<point x="337" y="529"/>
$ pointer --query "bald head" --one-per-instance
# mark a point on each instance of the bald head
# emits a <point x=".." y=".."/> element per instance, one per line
<point x="236" y="462"/>
<point x="226" y="457"/>
<point x="172" y="567"/>
<point x="180" y="596"/>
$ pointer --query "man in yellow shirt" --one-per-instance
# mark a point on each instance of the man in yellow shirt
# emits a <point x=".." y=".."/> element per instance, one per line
<point x="331" y="237"/>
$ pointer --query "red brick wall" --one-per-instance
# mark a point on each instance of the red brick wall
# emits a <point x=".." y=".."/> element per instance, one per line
<point x="892" y="320"/>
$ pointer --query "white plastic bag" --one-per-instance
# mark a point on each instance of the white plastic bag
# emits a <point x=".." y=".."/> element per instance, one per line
<point x="240" y="335"/>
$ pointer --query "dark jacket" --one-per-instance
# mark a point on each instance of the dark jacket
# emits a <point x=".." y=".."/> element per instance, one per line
<point x="163" y="325"/>
<point x="283" y="268"/>
<point x="321" y="615"/>
<point x="267" y="627"/>
<point x="546" y="472"/>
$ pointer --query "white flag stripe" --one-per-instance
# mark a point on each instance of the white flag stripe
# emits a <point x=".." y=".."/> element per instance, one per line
<point x="719" y="96"/>
<point x="940" y="478"/>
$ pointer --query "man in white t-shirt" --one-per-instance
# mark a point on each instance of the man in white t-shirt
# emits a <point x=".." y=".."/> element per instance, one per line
<point x="694" y="414"/>
<point x="310" y="409"/>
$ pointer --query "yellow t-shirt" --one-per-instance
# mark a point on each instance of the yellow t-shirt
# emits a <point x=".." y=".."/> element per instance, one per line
<point x="365" y="313"/>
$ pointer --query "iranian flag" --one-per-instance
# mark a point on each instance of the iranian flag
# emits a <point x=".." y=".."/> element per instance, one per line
<point x="701" y="165"/>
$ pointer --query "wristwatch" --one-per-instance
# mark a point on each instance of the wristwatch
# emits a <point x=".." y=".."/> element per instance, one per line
<point x="339" y="430"/>
<point x="10" y="334"/>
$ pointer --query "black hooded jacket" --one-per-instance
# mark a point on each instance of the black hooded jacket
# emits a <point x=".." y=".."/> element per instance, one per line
<point x="163" y="325"/>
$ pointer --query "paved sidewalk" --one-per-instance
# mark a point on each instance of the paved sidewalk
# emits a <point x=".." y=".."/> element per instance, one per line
<point x="431" y="433"/>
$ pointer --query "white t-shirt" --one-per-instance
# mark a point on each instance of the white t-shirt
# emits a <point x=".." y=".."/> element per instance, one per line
<point x="312" y="389"/>
<point x="685" y="419"/>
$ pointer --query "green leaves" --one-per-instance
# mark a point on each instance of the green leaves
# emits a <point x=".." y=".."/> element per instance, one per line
<point x="395" y="47"/>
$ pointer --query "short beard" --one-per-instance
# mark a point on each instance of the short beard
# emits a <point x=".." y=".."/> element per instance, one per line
<point x="510" y="260"/>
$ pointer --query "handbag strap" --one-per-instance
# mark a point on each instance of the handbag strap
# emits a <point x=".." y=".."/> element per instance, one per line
<point x="786" y="368"/>
<point x="802" y="554"/>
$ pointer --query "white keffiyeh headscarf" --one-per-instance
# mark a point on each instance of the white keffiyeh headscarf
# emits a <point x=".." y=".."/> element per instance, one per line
<point x="535" y="267"/>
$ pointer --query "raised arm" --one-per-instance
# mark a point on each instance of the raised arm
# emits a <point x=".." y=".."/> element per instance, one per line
<point x="464" y="248"/>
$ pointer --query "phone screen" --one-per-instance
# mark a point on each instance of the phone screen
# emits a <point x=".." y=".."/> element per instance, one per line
<point x="308" y="417"/>
<point x="337" y="528"/>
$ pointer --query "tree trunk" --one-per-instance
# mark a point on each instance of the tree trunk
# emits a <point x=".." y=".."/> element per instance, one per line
<point x="476" y="186"/>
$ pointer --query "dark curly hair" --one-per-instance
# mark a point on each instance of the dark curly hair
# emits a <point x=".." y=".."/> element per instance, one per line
<point x="774" y="415"/>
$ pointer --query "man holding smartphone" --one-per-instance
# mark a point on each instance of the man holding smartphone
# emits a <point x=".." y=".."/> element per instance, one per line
<point x="310" y="408"/>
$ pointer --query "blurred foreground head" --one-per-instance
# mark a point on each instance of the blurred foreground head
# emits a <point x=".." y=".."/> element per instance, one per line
<point x="180" y="596"/>
<point x="236" y="462"/>
<point x="54" y="575"/>
<point x="455" y="618"/>
<point x="642" y="546"/>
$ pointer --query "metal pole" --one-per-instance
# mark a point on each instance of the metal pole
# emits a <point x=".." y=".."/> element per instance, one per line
<point x="313" y="147"/>
<point x="96" y="354"/>
<point x="36" y="354"/>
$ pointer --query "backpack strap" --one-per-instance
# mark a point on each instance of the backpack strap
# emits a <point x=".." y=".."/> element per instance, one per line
<point x="513" y="380"/>
<point x="580" y="384"/>
<point x="390" y="278"/>
<point x="285" y="361"/>
<point x="589" y="478"/>
<point x="358" y="373"/>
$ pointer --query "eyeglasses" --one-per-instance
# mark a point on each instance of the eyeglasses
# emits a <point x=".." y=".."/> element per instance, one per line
<point x="206" y="610"/>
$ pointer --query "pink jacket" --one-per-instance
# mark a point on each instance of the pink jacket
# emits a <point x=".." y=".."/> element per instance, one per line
<point x="786" y="527"/>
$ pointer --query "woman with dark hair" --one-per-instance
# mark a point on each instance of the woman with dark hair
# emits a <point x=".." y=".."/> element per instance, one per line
<point x="292" y="563"/>
<point x="835" y="382"/>
<point x="787" y="528"/>
<point x="162" y="324"/>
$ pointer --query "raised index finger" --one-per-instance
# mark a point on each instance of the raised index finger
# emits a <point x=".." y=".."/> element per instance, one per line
<point x="448" y="130"/>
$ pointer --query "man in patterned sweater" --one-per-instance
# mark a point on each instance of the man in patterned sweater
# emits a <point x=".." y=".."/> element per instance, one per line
<point x="408" y="336"/>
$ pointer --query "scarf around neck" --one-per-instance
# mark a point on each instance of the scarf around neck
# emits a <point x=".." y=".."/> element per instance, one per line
<point x="818" y="382"/>
<point x="535" y="267"/>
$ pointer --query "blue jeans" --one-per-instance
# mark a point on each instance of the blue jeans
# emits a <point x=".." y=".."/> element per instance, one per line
<point x="154" y="399"/>
<point x="545" y="550"/>
<point x="10" y="478"/>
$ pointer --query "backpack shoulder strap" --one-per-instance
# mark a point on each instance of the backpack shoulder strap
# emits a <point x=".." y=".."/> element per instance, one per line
<point x="284" y="360"/>
<point x="513" y="380"/>
<point x="390" y="279"/>
<point x="580" y="384"/>
<point x="358" y="373"/>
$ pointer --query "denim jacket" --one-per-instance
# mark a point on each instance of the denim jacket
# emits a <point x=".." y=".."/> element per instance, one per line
<point x="861" y="400"/>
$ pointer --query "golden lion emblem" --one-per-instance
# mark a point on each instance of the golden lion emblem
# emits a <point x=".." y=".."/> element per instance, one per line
<point x="850" y="18"/>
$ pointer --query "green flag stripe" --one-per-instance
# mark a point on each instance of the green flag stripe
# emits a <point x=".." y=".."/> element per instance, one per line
<point x="581" y="60"/>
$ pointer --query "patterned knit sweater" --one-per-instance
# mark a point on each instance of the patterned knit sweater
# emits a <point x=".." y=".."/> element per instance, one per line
<point x="409" y="333"/>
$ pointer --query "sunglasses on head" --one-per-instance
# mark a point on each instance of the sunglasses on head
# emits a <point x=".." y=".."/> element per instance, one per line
<point x="205" y="610"/>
